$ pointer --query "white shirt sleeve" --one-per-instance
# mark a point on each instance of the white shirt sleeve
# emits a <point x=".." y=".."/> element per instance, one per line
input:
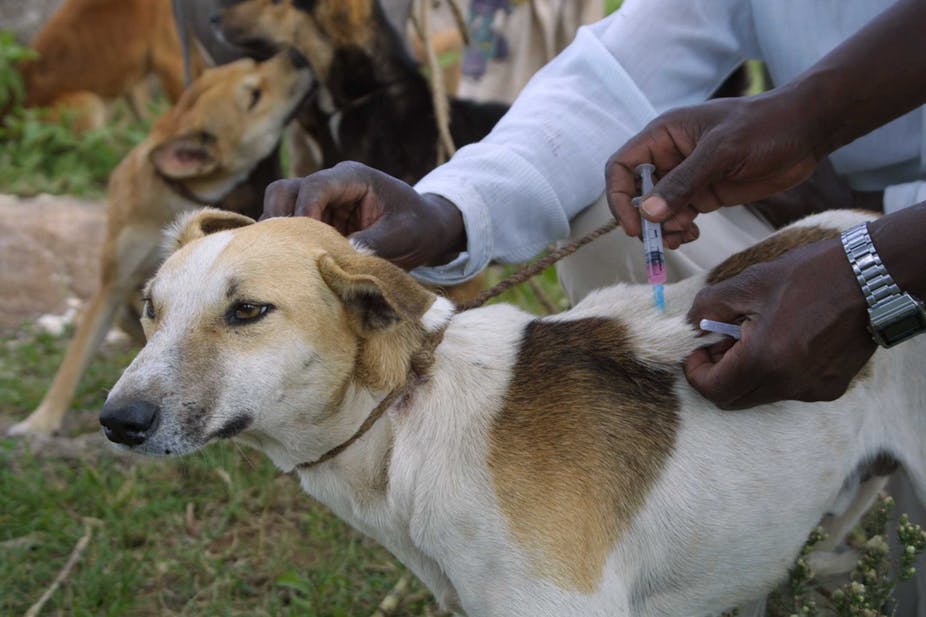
<point x="543" y="163"/>
<point x="900" y="196"/>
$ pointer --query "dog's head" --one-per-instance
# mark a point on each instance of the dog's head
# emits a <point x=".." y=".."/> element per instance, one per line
<point x="317" y="28"/>
<point x="278" y="331"/>
<point x="228" y="120"/>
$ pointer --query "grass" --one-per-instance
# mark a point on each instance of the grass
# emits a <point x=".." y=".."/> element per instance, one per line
<point x="217" y="533"/>
<point x="41" y="155"/>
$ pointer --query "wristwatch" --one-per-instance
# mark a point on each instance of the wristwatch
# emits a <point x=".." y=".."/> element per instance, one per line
<point x="894" y="316"/>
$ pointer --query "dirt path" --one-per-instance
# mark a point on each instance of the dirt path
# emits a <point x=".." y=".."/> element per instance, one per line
<point x="49" y="252"/>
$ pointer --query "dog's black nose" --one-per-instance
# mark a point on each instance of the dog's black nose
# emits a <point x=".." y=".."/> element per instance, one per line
<point x="215" y="19"/>
<point x="129" y="423"/>
<point x="299" y="61"/>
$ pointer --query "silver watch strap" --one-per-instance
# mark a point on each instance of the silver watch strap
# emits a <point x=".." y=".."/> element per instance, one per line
<point x="872" y="276"/>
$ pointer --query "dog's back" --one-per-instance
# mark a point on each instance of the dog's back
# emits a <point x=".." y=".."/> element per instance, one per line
<point x="104" y="48"/>
<point x="610" y="482"/>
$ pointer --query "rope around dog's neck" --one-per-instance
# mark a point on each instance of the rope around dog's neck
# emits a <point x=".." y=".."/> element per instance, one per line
<point x="420" y="363"/>
<point x="424" y="357"/>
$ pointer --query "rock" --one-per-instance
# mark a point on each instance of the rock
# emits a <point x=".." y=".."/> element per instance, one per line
<point x="25" y="17"/>
<point x="49" y="253"/>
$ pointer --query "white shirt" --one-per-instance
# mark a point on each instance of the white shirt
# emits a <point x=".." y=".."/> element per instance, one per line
<point x="544" y="162"/>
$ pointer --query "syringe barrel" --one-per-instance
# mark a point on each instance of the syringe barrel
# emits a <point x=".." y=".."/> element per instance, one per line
<point x="655" y="253"/>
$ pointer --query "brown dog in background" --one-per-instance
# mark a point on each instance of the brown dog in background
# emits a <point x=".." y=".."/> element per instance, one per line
<point x="198" y="152"/>
<point x="92" y="51"/>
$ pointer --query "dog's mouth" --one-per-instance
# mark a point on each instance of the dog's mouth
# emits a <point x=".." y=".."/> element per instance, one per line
<point x="251" y="46"/>
<point x="311" y="91"/>
<point x="146" y="428"/>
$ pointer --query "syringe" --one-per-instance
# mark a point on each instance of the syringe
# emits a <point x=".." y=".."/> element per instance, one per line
<point x="730" y="329"/>
<point x="652" y="242"/>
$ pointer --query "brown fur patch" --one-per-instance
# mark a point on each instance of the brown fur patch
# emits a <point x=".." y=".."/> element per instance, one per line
<point x="104" y="48"/>
<point x="384" y="305"/>
<point x="583" y="434"/>
<point x="769" y="249"/>
<point x="347" y="22"/>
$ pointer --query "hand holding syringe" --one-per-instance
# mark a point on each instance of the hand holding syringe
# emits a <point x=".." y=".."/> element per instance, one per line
<point x="656" y="258"/>
<point x="652" y="242"/>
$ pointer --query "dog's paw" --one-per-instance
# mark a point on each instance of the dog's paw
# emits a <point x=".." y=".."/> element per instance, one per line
<point x="827" y="564"/>
<point x="32" y="426"/>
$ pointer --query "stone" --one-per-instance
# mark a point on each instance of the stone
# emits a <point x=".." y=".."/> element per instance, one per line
<point x="25" y="17"/>
<point x="49" y="254"/>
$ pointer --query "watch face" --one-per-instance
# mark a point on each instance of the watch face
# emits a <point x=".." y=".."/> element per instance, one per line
<point x="896" y="319"/>
<point x="902" y="329"/>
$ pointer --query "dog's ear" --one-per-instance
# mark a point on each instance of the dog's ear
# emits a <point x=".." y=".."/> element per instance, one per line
<point x="377" y="294"/>
<point x="186" y="156"/>
<point x="200" y="223"/>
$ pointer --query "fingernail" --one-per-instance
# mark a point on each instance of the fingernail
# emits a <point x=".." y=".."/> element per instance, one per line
<point x="655" y="207"/>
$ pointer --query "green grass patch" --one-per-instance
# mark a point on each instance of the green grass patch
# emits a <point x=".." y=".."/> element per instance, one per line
<point x="40" y="155"/>
<point x="220" y="532"/>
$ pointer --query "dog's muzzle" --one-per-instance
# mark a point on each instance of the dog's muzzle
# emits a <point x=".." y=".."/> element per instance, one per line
<point x="129" y="423"/>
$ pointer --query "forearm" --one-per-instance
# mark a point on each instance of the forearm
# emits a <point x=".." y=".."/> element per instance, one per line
<point x="899" y="241"/>
<point x="519" y="187"/>
<point x="867" y="81"/>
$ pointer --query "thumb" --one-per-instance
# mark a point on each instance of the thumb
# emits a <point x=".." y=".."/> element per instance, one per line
<point x="719" y="302"/>
<point x="390" y="239"/>
<point x="374" y="239"/>
<point x="678" y="187"/>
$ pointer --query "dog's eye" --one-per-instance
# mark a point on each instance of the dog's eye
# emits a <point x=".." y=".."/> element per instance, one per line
<point x="247" y="312"/>
<point x="149" y="308"/>
<point x="255" y="98"/>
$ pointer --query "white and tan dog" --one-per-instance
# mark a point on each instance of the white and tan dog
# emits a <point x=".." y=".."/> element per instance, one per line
<point x="556" y="466"/>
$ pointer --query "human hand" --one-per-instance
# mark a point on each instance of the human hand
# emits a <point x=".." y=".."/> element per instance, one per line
<point x="721" y="153"/>
<point x="802" y="338"/>
<point x="824" y="190"/>
<point x="376" y="210"/>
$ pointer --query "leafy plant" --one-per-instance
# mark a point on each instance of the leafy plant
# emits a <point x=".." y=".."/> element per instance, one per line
<point x="869" y="590"/>
<point x="40" y="152"/>
<point x="12" y="90"/>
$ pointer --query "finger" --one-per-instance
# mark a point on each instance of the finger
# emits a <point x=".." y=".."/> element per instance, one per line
<point x="371" y="238"/>
<point x="720" y="302"/>
<point x="724" y="377"/>
<point x="621" y="185"/>
<point x="727" y="191"/>
<point x="680" y="185"/>
<point x="681" y="220"/>
<point x="386" y="240"/>
<point x="627" y="215"/>
<point x="328" y="194"/>
<point x="673" y="240"/>
<point x="280" y="198"/>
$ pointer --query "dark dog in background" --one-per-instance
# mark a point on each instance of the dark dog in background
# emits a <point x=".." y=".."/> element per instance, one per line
<point x="373" y="104"/>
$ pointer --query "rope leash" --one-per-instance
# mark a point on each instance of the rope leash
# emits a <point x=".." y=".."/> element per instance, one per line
<point x="531" y="270"/>
<point x="422" y="24"/>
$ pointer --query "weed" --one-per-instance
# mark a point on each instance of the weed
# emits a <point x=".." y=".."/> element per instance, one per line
<point x="39" y="154"/>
